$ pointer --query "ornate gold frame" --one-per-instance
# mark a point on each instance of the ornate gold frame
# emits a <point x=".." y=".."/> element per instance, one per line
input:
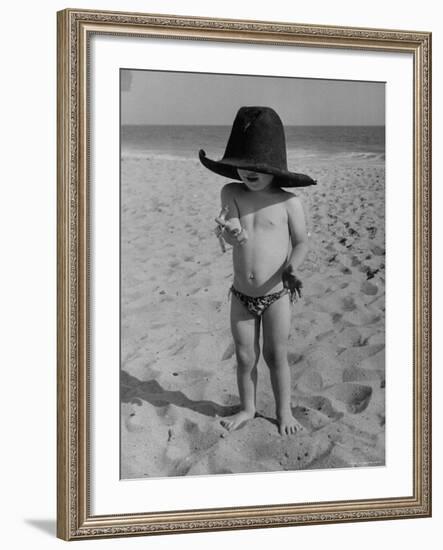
<point x="75" y="27"/>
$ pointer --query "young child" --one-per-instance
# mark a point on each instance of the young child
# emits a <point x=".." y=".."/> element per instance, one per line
<point x="266" y="227"/>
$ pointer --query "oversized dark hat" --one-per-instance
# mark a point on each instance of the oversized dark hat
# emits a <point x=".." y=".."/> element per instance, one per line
<point x="257" y="143"/>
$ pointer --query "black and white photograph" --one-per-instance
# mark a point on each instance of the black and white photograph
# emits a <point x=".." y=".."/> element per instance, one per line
<point x="252" y="260"/>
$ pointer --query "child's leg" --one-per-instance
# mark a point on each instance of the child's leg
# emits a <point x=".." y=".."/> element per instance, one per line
<point x="276" y="324"/>
<point x="245" y="329"/>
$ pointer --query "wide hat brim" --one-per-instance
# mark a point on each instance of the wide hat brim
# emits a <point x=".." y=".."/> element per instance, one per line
<point x="227" y="167"/>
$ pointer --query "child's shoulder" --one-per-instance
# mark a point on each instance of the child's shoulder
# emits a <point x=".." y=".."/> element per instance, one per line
<point x="289" y="197"/>
<point x="232" y="188"/>
<point x="292" y="203"/>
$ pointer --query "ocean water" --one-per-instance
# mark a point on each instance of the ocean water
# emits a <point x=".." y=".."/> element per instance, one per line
<point x="316" y="143"/>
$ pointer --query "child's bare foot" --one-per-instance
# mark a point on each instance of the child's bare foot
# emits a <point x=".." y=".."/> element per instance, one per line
<point x="288" y="425"/>
<point x="236" y="420"/>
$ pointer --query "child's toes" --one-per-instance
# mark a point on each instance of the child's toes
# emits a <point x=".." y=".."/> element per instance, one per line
<point x="290" y="428"/>
<point x="229" y="424"/>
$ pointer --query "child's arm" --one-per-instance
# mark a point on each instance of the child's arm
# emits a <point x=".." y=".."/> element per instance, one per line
<point x="299" y="239"/>
<point x="231" y="229"/>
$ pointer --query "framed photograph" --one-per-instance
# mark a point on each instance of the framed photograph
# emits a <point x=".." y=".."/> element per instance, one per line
<point x="244" y="282"/>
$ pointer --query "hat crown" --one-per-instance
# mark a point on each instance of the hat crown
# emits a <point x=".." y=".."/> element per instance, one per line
<point x="257" y="137"/>
<point x="257" y="143"/>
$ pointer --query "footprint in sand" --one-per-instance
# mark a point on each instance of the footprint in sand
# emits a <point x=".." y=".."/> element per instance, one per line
<point x="357" y="374"/>
<point x="348" y="303"/>
<point x="378" y="250"/>
<point x="311" y="419"/>
<point x="336" y="317"/>
<point x="325" y="335"/>
<point x="355" y="261"/>
<point x="349" y="337"/>
<point x="364" y="356"/>
<point x="372" y="231"/>
<point x="322" y="370"/>
<point x="321" y="404"/>
<point x="134" y="424"/>
<point x="301" y="454"/>
<point x="310" y="380"/>
<point x="356" y="397"/>
<point x="361" y="318"/>
<point x="370" y="289"/>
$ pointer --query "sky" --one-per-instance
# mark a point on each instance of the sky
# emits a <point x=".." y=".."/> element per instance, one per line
<point x="161" y="97"/>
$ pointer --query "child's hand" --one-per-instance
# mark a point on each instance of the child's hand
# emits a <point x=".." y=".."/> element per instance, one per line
<point x="237" y="234"/>
<point x="291" y="282"/>
<point x="231" y="231"/>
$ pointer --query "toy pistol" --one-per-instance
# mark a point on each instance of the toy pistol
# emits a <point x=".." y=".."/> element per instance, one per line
<point x="220" y="227"/>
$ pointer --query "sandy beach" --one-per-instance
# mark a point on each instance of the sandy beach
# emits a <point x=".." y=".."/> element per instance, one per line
<point x="178" y="369"/>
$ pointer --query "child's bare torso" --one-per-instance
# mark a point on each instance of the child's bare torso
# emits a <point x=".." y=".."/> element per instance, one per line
<point x="258" y="263"/>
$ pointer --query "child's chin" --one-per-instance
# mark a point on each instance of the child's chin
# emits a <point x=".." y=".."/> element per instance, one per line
<point x="261" y="188"/>
<point x="254" y="186"/>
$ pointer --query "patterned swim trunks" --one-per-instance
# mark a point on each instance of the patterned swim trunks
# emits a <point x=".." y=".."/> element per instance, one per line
<point x="257" y="305"/>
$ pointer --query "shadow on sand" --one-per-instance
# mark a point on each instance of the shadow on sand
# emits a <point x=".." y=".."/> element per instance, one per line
<point x="133" y="390"/>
